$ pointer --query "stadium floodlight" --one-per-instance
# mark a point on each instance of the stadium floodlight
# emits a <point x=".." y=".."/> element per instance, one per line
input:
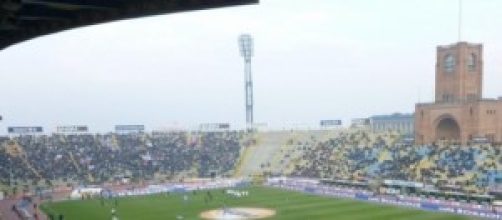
<point x="246" y="46"/>
<point x="246" y="49"/>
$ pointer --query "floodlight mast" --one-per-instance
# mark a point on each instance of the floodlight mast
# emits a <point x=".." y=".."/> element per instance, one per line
<point x="246" y="50"/>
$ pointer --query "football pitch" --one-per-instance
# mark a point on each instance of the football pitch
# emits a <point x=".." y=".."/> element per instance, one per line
<point x="287" y="205"/>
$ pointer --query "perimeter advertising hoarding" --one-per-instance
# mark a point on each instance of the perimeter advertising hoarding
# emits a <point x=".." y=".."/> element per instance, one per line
<point x="25" y="130"/>
<point x="215" y="127"/>
<point x="72" y="129"/>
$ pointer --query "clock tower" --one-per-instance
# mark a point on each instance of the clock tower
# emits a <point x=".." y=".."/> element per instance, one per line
<point x="459" y="113"/>
<point x="459" y="73"/>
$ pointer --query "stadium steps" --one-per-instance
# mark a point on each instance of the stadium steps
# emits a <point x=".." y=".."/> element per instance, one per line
<point x="244" y="154"/>
<point x="285" y="165"/>
<point x="15" y="150"/>
<point x="90" y="177"/>
<point x="423" y="164"/>
<point x="318" y="136"/>
<point x="282" y="164"/>
<point x="267" y="145"/>
<point x="279" y="161"/>
<point x="24" y="157"/>
<point x="75" y="164"/>
<point x="383" y="156"/>
<point x="28" y="164"/>
<point x="467" y="176"/>
<point x="187" y="174"/>
<point x="30" y="167"/>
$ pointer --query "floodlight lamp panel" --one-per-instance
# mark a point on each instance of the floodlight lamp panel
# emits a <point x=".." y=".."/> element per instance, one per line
<point x="246" y="40"/>
<point x="246" y="46"/>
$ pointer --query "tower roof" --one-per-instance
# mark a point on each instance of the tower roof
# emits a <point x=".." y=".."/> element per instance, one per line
<point x="459" y="44"/>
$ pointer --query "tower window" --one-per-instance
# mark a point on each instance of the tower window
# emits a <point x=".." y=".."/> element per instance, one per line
<point x="448" y="97"/>
<point x="490" y="112"/>
<point x="449" y="63"/>
<point x="490" y="137"/>
<point x="471" y="97"/>
<point x="471" y="62"/>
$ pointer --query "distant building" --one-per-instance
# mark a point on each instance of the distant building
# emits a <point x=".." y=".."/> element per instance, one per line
<point x="459" y="113"/>
<point x="360" y="123"/>
<point x="330" y="124"/>
<point x="402" y="123"/>
<point x="129" y="129"/>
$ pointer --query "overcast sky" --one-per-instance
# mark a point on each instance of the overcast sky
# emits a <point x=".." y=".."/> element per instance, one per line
<point x="322" y="59"/>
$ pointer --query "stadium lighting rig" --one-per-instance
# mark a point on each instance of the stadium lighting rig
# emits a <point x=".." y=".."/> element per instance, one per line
<point x="246" y="50"/>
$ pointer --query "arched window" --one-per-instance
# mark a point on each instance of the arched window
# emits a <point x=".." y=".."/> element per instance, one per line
<point x="471" y="62"/>
<point x="449" y="63"/>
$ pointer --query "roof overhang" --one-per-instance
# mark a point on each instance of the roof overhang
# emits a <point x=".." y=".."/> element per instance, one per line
<point x="22" y="20"/>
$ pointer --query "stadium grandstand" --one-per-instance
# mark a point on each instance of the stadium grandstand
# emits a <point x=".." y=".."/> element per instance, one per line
<point x="348" y="155"/>
<point x="378" y="162"/>
<point x="132" y="173"/>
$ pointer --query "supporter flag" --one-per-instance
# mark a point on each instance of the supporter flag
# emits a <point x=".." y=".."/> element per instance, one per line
<point x="193" y="140"/>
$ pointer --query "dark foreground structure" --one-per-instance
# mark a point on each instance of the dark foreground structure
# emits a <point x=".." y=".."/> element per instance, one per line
<point x="22" y="20"/>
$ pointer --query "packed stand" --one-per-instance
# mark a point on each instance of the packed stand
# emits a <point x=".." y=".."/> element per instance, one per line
<point x="363" y="155"/>
<point x="93" y="159"/>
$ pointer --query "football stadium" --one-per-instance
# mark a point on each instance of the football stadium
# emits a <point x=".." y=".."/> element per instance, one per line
<point x="443" y="161"/>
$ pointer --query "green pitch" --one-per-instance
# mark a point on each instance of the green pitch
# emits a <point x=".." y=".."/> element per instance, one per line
<point x="288" y="205"/>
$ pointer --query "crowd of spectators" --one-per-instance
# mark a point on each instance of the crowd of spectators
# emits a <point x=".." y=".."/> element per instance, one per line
<point x="100" y="158"/>
<point x="363" y="155"/>
<point x="94" y="159"/>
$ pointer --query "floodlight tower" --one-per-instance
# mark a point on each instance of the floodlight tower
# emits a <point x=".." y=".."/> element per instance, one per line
<point x="246" y="49"/>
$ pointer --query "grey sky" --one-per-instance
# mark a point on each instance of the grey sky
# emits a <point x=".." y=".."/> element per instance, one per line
<point x="322" y="59"/>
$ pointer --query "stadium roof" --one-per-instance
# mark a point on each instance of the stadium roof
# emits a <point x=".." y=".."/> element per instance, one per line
<point x="22" y="20"/>
<point x="393" y="116"/>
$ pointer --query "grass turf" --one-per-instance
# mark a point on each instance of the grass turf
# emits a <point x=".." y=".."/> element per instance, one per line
<point x="288" y="205"/>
